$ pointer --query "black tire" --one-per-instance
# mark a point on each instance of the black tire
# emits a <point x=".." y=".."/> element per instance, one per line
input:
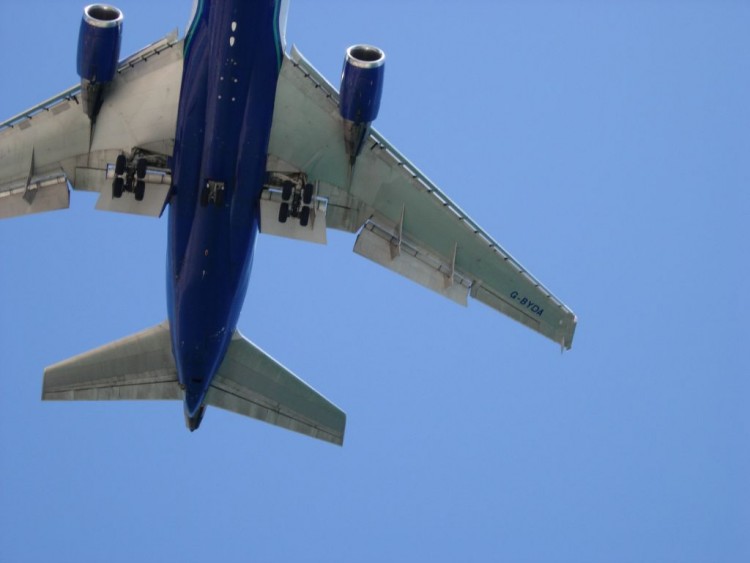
<point x="118" y="184"/>
<point x="220" y="197"/>
<point x="140" y="168"/>
<point x="286" y="190"/>
<point x="307" y="194"/>
<point x="204" y="196"/>
<point x="120" y="165"/>
<point x="304" y="216"/>
<point x="140" y="190"/>
<point x="283" y="212"/>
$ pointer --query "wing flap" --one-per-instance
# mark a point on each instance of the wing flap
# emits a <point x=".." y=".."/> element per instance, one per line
<point x="35" y="196"/>
<point x="419" y="265"/>
<point x="252" y="383"/>
<point x="133" y="368"/>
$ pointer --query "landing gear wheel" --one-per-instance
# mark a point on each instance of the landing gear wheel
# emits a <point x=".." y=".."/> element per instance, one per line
<point x="140" y="168"/>
<point x="204" y="196"/>
<point x="304" y="216"/>
<point x="120" y="164"/>
<point x="307" y="194"/>
<point x="283" y="212"/>
<point x="118" y="184"/>
<point x="286" y="190"/>
<point x="140" y="190"/>
<point x="219" y="198"/>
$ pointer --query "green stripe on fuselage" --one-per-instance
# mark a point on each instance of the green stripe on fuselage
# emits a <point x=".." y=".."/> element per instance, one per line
<point x="276" y="34"/>
<point x="193" y="24"/>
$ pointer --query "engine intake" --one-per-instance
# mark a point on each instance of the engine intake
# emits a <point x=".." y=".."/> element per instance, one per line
<point x="99" y="41"/>
<point x="361" y="90"/>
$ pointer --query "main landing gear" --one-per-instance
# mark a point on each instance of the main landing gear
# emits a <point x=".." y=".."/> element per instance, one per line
<point x="296" y="202"/>
<point x="130" y="177"/>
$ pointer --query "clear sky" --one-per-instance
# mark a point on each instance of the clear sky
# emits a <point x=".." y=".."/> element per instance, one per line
<point x="606" y="145"/>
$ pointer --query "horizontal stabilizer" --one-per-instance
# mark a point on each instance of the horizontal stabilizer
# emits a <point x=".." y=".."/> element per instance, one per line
<point x="252" y="383"/>
<point x="249" y="382"/>
<point x="136" y="367"/>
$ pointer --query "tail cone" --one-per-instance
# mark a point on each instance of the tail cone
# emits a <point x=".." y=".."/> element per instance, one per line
<point x="194" y="421"/>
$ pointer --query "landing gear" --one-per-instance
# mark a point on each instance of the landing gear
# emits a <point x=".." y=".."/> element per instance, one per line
<point x="304" y="216"/>
<point x="283" y="212"/>
<point x="120" y="165"/>
<point x="286" y="190"/>
<point x="296" y="197"/>
<point x="307" y="194"/>
<point x="118" y="184"/>
<point x="130" y="176"/>
<point x="140" y="168"/>
<point x="139" y="190"/>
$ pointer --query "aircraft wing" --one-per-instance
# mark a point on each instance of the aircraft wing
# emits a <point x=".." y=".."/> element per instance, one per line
<point x="405" y="222"/>
<point x="53" y="145"/>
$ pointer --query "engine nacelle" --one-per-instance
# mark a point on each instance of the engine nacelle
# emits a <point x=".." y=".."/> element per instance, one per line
<point x="98" y="53"/>
<point x="361" y="90"/>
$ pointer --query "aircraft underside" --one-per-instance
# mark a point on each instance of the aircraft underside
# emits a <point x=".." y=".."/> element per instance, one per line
<point x="235" y="136"/>
<point x="223" y="126"/>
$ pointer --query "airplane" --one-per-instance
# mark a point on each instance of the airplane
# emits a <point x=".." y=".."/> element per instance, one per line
<point x="234" y="134"/>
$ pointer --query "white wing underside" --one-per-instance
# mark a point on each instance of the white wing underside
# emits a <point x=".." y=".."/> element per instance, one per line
<point x="53" y="145"/>
<point x="405" y="222"/>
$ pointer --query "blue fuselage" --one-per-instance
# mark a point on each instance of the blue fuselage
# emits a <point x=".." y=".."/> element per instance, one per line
<point x="233" y="53"/>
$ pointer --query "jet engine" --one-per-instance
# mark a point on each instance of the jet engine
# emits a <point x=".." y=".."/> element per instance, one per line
<point x="361" y="89"/>
<point x="98" y="53"/>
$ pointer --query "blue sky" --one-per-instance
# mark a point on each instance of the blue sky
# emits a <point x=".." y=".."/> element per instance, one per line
<point x="604" y="144"/>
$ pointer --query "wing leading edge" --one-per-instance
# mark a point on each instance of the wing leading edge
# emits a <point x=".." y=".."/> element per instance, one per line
<point x="405" y="222"/>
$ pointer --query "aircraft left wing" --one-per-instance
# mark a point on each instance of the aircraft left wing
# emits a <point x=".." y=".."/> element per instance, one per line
<point x="404" y="221"/>
<point x="54" y="145"/>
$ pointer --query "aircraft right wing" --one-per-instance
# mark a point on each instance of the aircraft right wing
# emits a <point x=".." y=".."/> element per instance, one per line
<point x="52" y="145"/>
<point x="405" y="222"/>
